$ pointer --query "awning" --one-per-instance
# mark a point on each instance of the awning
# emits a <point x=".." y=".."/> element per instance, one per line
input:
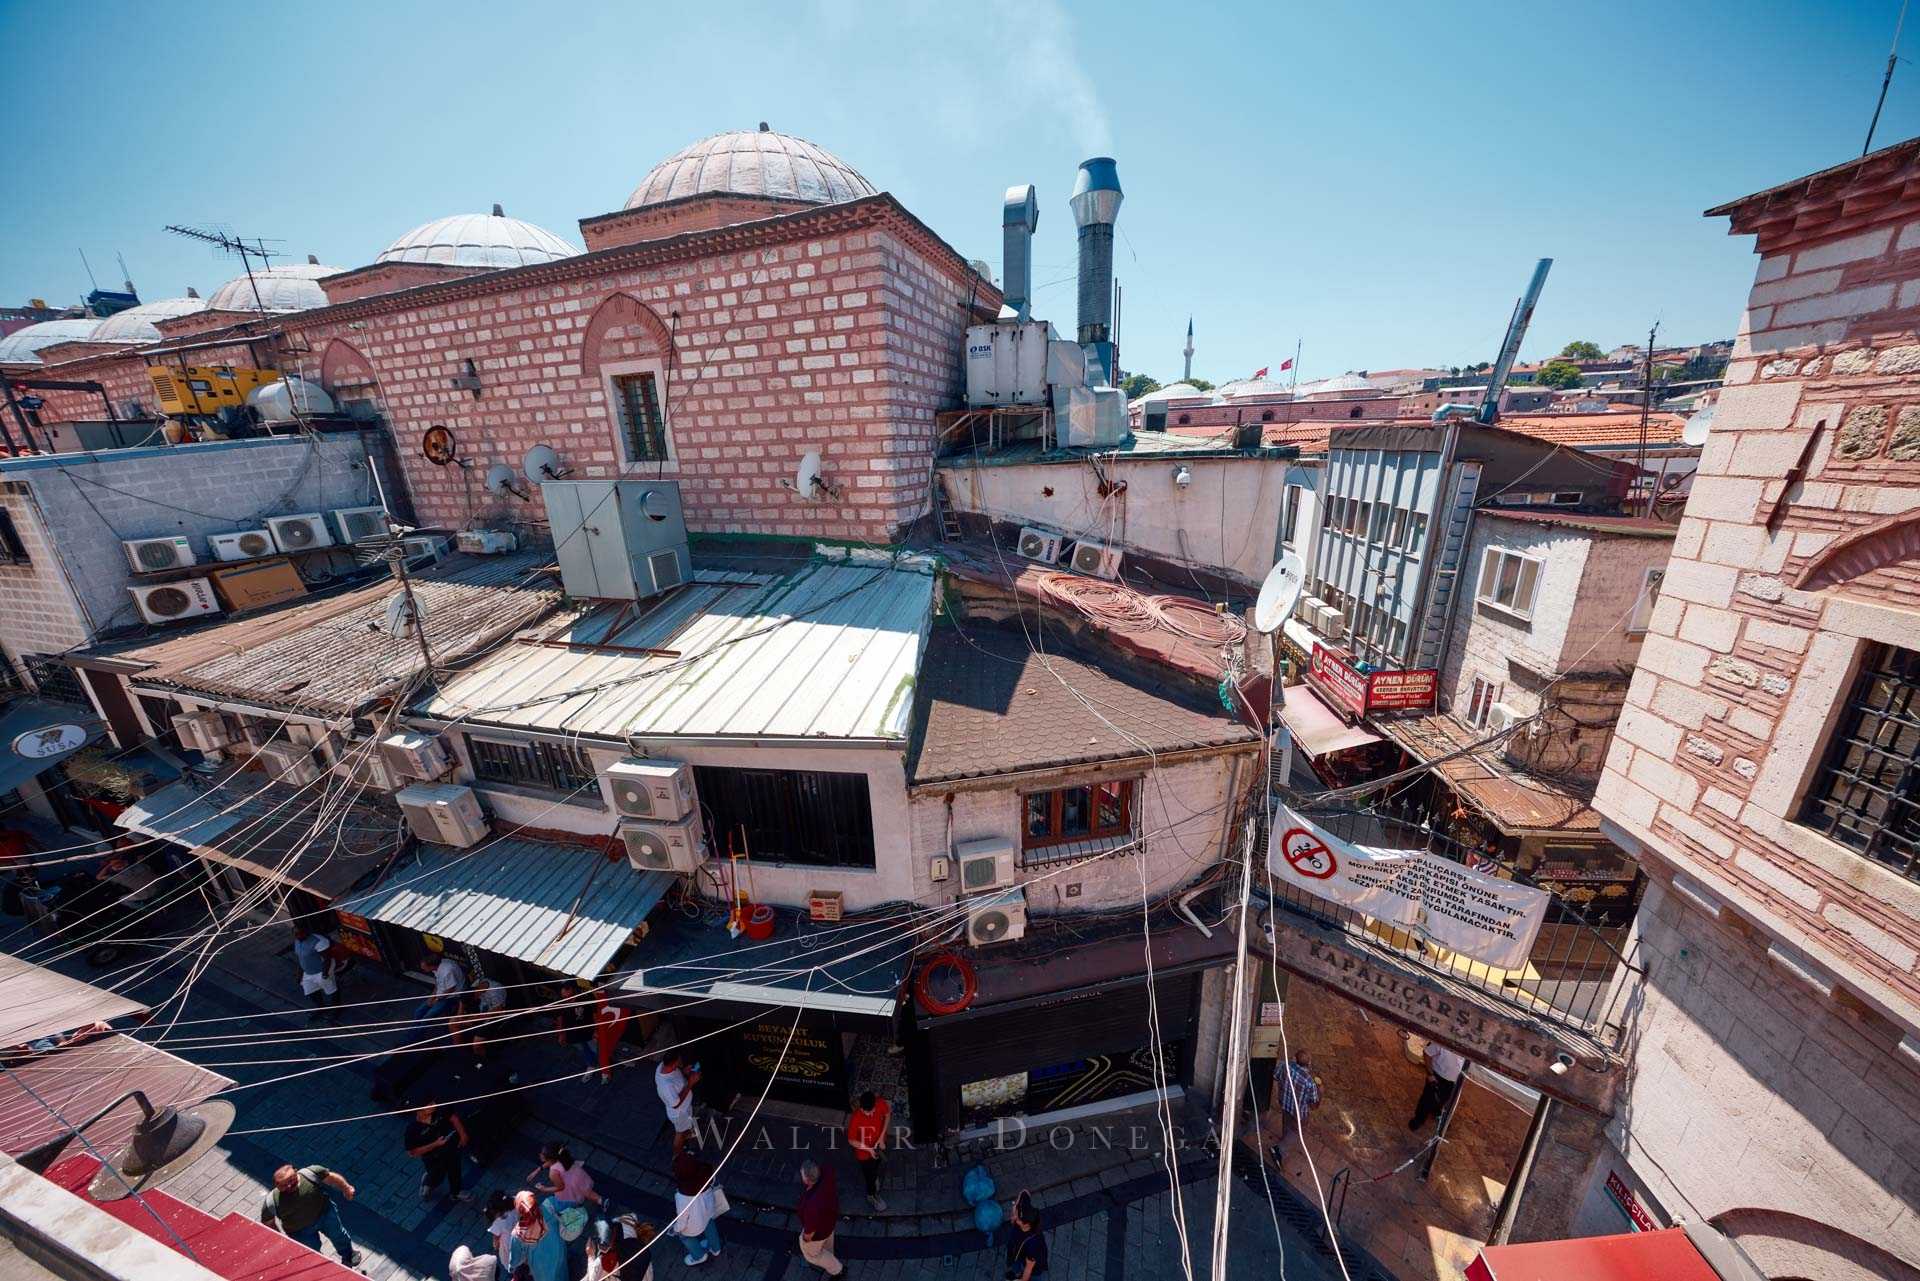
<point x="1517" y="802"/>
<point x="845" y="967"/>
<point x="37" y="734"/>
<point x="564" y="908"/>
<point x="275" y="832"/>
<point x="37" y="1002"/>
<point x="1666" y="1255"/>
<point x="1316" y="728"/>
<point x="81" y="1079"/>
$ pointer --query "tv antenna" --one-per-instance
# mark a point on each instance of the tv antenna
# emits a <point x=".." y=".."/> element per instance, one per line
<point x="1893" y="58"/>
<point x="234" y="245"/>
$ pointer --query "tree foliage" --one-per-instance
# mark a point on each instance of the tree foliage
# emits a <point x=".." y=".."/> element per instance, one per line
<point x="1582" y="349"/>
<point x="1137" y="385"/>
<point x="1198" y="384"/>
<point x="1558" y="373"/>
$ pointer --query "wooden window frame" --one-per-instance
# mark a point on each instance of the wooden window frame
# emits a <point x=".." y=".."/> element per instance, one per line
<point x="1056" y="797"/>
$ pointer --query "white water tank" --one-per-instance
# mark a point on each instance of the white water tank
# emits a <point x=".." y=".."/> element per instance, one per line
<point x="276" y="401"/>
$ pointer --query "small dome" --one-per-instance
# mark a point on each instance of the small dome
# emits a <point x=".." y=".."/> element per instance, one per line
<point x="136" y="324"/>
<point x="1174" y="391"/>
<point x="293" y="286"/>
<point x="776" y="166"/>
<point x="22" y="346"/>
<point x="478" y="240"/>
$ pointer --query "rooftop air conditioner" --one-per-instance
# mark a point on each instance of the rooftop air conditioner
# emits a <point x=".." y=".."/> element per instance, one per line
<point x="148" y="555"/>
<point x="1097" y="559"/>
<point x="288" y="762"/>
<point x="247" y="544"/>
<point x="166" y="602"/>
<point x="369" y="771"/>
<point x="486" y="542"/>
<point x="1501" y="716"/>
<point x="1001" y="918"/>
<point x="359" y="524"/>
<point x="638" y="788"/>
<point x="414" y="755"/>
<point x="1308" y="608"/>
<point x="443" y="813"/>
<point x="664" y="847"/>
<point x="1332" y="624"/>
<point x="984" y="864"/>
<point x="202" y="731"/>
<point x="1040" y="544"/>
<point x="301" y="533"/>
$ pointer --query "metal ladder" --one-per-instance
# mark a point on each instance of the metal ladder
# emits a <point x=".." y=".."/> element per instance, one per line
<point x="1447" y="568"/>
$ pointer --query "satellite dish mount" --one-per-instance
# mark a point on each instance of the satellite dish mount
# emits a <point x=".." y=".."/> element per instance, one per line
<point x="810" y="483"/>
<point x="500" y="482"/>
<point x="542" y="463"/>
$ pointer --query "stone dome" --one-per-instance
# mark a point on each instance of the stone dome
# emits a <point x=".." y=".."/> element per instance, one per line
<point x="292" y="286"/>
<point x="22" y="346"/>
<point x="490" y="240"/>
<point x="136" y="324"/>
<point x="774" y="166"/>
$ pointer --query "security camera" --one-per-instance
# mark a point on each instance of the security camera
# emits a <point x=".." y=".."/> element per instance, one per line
<point x="1561" y="1062"/>
<point x="1183" y="476"/>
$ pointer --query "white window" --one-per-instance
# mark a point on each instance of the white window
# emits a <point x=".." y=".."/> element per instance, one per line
<point x="1508" y="581"/>
<point x="1485" y="694"/>
<point x="1649" y="597"/>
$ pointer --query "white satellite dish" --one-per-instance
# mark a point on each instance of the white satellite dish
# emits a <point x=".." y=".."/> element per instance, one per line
<point x="500" y="481"/>
<point x="1697" y="428"/>
<point x="543" y="463"/>
<point x="809" y="482"/>
<point x="403" y="611"/>
<point x="1280" y="592"/>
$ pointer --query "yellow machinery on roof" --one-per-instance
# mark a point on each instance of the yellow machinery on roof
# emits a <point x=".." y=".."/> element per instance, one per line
<point x="205" y="390"/>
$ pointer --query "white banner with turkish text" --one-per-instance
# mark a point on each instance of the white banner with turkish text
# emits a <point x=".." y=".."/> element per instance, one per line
<point x="1464" y="911"/>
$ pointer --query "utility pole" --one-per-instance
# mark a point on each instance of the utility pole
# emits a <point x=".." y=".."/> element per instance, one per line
<point x="1646" y="408"/>
<point x="1886" y="81"/>
<point x="1236" y="1072"/>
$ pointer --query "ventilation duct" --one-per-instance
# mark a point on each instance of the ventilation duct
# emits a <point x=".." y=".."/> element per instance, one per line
<point x="1019" y="217"/>
<point x="1096" y="203"/>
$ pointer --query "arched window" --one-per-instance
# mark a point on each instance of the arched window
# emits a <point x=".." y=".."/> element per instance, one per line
<point x="1354" y="412"/>
<point x="1185" y="419"/>
<point x="1266" y="415"/>
<point x="627" y="346"/>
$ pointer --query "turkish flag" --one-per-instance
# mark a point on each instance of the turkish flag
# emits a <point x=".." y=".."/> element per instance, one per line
<point x="1286" y="364"/>
<point x="1262" y="371"/>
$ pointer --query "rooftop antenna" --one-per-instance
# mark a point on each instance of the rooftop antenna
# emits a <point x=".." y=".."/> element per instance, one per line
<point x="89" y="266"/>
<point x="1886" y="81"/>
<point x="234" y="245"/>
<point x="125" y="275"/>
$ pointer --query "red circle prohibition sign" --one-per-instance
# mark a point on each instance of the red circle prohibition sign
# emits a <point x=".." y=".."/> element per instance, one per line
<point x="1307" y="854"/>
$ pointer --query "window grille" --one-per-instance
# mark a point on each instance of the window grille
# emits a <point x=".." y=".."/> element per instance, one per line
<point x="544" y="765"/>
<point x="641" y="425"/>
<point x="1867" y="793"/>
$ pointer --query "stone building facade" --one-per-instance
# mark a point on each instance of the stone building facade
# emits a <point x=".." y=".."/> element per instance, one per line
<point x="1760" y="769"/>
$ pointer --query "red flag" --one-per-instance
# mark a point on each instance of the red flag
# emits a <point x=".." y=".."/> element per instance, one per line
<point x="1286" y="364"/>
<point x="1262" y="371"/>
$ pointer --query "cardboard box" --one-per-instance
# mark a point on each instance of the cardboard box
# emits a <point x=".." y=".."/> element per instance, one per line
<point x="825" y="905"/>
<point x="259" y="584"/>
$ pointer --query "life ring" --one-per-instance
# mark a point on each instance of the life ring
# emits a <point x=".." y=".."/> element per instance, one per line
<point x="969" y="984"/>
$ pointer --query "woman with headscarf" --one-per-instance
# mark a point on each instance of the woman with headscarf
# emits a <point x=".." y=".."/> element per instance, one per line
<point x="535" y="1240"/>
<point x="465" y="1265"/>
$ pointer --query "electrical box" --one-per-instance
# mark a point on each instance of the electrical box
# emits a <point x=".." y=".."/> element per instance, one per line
<point x="618" y="539"/>
<point x="1007" y="364"/>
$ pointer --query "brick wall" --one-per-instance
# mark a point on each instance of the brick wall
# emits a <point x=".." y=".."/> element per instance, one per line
<point x="38" y="613"/>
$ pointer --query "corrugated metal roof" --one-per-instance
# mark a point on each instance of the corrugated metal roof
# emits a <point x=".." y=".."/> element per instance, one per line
<point x="79" y="1080"/>
<point x="830" y="650"/>
<point x="1515" y="800"/>
<point x="42" y="1002"/>
<point x="561" y="907"/>
<point x="333" y="656"/>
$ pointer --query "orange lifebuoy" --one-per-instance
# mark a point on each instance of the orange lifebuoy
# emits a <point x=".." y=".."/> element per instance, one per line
<point x="969" y="984"/>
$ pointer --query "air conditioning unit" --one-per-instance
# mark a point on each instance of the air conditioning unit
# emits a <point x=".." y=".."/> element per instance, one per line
<point x="247" y="544"/>
<point x="1500" y="716"/>
<point x="358" y="524"/>
<point x="486" y="542"/>
<point x="984" y="864"/>
<point x="1097" y="559"/>
<point x="999" y="919"/>
<point x="665" y="847"/>
<point x="443" y="813"/>
<point x="411" y="755"/>
<point x="301" y="533"/>
<point x="202" y="731"/>
<point x="288" y="762"/>
<point x="166" y="602"/>
<point x="638" y="788"/>
<point x="1307" y="609"/>
<point x="148" y="555"/>
<point x="425" y="547"/>
<point x="1330" y="623"/>
<point x="1040" y="544"/>
<point x="370" y="772"/>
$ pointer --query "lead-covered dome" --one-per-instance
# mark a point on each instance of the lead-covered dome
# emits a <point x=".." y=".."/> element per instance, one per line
<point x="136" y="324"/>
<point x="490" y="240"/>
<point x="773" y="166"/>
<point x="22" y="346"/>
<point x="292" y="286"/>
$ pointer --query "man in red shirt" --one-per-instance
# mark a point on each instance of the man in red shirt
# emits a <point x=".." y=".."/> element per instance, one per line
<point x="867" y="1133"/>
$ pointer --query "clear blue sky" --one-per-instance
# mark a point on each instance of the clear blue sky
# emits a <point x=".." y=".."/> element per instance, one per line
<point x="1374" y="178"/>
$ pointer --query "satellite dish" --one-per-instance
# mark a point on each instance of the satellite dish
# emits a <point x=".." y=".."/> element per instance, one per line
<point x="403" y="612"/>
<point x="543" y="463"/>
<point x="1280" y="592"/>
<point x="438" y="445"/>
<point x="807" y="480"/>
<point x="500" y="481"/>
<point x="1697" y="428"/>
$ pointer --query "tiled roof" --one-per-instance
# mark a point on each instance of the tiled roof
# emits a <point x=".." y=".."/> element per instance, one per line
<point x="992" y="705"/>
<point x="1589" y="430"/>
<point x="1309" y="436"/>
<point x="1630" y="526"/>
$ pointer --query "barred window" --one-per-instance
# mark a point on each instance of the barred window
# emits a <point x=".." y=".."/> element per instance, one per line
<point x="789" y="816"/>
<point x="637" y="402"/>
<point x="12" y="550"/>
<point x="1054" y="821"/>
<point x="544" y="765"/>
<point x="1867" y="793"/>
<point x="54" y="679"/>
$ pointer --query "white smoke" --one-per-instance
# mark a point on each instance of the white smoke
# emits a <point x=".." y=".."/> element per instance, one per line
<point x="1043" y="57"/>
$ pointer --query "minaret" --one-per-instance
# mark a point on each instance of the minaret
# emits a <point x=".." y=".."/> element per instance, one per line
<point x="1187" y="377"/>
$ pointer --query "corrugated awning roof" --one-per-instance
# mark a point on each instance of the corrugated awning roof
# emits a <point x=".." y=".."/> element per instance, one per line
<point x="564" y="908"/>
<point x="1515" y="801"/>
<point x="79" y="1080"/>
<point x="830" y="650"/>
<point x="852" y="967"/>
<point x="1316" y="728"/>
<point x="41" y="1002"/>
<point x="23" y="726"/>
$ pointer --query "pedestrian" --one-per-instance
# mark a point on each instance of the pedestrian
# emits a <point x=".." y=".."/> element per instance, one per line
<point x="1443" y="1081"/>
<point x="609" y="1025"/>
<point x="1027" y="1247"/>
<point x="313" y="952"/>
<point x="465" y="1265"/>
<point x="534" y="1243"/>
<point x="819" y="1211"/>
<point x="573" y="1023"/>
<point x="624" y="1241"/>
<point x="1299" y="1095"/>
<point x="568" y="1180"/>
<point x="436" y="1137"/>
<point x="449" y="980"/>
<point x="299" y="1205"/>
<point x="696" y="1208"/>
<point x="499" y="1216"/>
<point x="674" y="1082"/>
<point x="867" y="1133"/>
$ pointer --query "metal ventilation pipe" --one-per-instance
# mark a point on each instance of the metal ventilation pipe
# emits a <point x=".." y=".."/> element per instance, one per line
<point x="1096" y="203"/>
<point x="1019" y="216"/>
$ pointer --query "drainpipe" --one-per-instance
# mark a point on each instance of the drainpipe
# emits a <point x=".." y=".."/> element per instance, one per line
<point x="1522" y="1172"/>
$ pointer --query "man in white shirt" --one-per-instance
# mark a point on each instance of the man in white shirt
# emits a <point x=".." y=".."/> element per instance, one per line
<point x="675" y="1085"/>
<point x="448" y="981"/>
<point x="1444" y="1070"/>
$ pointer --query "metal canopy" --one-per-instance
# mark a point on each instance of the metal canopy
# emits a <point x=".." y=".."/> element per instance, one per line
<point x="37" y="1002"/>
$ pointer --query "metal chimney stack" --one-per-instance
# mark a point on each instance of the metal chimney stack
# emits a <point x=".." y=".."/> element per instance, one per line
<point x="1019" y="216"/>
<point x="1096" y="203"/>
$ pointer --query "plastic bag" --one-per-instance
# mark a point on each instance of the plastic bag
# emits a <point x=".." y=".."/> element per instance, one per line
<point x="573" y="1222"/>
<point x="977" y="1186"/>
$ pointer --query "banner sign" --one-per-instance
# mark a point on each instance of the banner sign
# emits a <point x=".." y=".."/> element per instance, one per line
<point x="1464" y="911"/>
<point x="1364" y="693"/>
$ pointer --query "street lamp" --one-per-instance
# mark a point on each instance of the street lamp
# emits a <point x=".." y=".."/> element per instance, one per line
<point x="165" y="1142"/>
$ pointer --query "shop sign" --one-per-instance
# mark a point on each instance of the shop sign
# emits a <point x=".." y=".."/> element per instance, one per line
<point x="49" y="740"/>
<point x="1338" y="679"/>
<point x="1448" y="903"/>
<point x="1623" y="1196"/>
<point x="811" y="1063"/>
<point x="355" y="935"/>
<point x="1364" y="693"/>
